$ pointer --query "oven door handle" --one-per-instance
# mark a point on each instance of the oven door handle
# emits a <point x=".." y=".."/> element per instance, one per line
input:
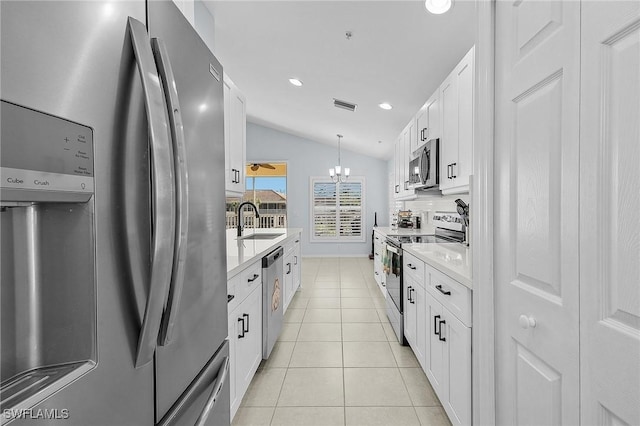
<point x="392" y="249"/>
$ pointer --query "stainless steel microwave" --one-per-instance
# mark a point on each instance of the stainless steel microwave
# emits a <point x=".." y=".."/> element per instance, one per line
<point x="423" y="169"/>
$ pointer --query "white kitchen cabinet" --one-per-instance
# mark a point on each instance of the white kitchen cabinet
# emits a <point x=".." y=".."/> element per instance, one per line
<point x="428" y="120"/>
<point x="435" y="357"/>
<point x="288" y="274"/>
<point x="457" y="402"/>
<point x="448" y="360"/>
<point x="403" y="157"/>
<point x="456" y="142"/>
<point x="398" y="171"/>
<point x="245" y="331"/>
<point x="297" y="265"/>
<point x="292" y="270"/>
<point x="415" y="309"/>
<point x="378" y="269"/>
<point x="235" y="138"/>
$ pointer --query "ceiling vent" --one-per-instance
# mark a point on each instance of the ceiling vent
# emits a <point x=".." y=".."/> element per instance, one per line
<point x="344" y="104"/>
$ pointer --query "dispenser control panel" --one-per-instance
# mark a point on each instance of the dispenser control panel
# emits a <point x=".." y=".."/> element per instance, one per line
<point x="44" y="158"/>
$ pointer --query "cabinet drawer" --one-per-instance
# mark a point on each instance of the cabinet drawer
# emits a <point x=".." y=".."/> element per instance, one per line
<point x="413" y="268"/>
<point x="243" y="284"/>
<point x="453" y="295"/>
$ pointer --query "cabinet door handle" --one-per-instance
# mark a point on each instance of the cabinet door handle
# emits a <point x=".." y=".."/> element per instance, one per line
<point x="406" y="185"/>
<point x="397" y="188"/>
<point x="230" y="297"/>
<point x="409" y="294"/>
<point x="247" y="317"/>
<point x="445" y="292"/>
<point x="297" y="241"/>
<point x="289" y="268"/>
<point x="255" y="277"/>
<point x="452" y="175"/>
<point x="376" y="272"/>
<point x="295" y="260"/>
<point x="442" y="339"/>
<point x="448" y="171"/>
<point x="411" y="266"/>
<point x="413" y="301"/>
<point x="233" y="179"/>
<point x="240" y="336"/>
<point x="435" y="325"/>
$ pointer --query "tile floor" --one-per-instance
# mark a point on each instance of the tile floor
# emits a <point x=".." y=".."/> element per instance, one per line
<point x="337" y="361"/>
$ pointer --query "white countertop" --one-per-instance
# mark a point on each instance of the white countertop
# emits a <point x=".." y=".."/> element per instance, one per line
<point x="452" y="259"/>
<point x="242" y="253"/>
<point x="387" y="230"/>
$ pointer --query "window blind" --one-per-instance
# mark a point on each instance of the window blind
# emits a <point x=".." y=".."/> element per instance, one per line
<point x="337" y="210"/>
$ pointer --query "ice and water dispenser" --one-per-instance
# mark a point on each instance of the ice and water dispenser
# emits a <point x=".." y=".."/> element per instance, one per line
<point x="47" y="263"/>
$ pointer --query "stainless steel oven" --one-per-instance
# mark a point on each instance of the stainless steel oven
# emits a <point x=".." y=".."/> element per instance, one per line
<point x="393" y="271"/>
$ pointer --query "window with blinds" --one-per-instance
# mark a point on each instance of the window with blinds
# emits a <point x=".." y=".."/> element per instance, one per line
<point x="337" y="210"/>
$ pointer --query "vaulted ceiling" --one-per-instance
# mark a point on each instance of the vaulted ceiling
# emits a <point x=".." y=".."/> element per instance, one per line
<point x="397" y="53"/>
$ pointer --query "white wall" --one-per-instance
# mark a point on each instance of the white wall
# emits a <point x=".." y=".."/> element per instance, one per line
<point x="204" y="24"/>
<point x="307" y="158"/>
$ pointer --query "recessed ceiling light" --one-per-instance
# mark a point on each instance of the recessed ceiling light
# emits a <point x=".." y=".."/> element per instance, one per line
<point x="295" y="82"/>
<point x="438" y="7"/>
<point x="385" y="105"/>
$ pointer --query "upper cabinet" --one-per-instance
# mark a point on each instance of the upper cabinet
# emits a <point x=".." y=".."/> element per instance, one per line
<point x="456" y="142"/>
<point x="235" y="138"/>
<point x="447" y="115"/>
<point x="428" y="121"/>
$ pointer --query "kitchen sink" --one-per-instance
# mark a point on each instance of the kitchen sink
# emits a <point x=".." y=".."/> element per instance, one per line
<point x="260" y="236"/>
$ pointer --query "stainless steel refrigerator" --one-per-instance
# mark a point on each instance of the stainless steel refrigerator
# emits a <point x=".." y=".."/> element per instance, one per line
<point x="112" y="217"/>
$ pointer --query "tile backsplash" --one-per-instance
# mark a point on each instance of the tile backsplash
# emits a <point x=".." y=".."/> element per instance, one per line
<point x="433" y="203"/>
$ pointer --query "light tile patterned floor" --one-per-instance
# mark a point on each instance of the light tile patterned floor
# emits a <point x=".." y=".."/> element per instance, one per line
<point x="337" y="361"/>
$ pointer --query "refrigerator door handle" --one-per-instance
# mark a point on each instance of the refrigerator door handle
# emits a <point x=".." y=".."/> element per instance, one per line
<point x="182" y="189"/>
<point x="162" y="198"/>
<point x="215" y="394"/>
<point x="194" y="391"/>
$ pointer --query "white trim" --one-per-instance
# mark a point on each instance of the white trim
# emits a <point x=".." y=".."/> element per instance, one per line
<point x="483" y="332"/>
<point x="338" y="239"/>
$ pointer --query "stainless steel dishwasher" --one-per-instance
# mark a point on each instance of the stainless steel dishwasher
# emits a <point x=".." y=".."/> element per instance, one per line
<point x="272" y="299"/>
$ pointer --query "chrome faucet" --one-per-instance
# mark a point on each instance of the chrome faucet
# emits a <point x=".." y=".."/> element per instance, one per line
<point x="240" y="220"/>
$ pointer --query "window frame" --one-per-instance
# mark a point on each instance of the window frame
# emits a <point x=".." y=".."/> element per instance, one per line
<point x="337" y="238"/>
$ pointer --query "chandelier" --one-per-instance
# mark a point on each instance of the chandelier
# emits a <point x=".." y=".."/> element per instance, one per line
<point x="336" y="172"/>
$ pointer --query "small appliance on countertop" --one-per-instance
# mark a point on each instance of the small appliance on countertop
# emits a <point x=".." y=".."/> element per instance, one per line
<point x="404" y="219"/>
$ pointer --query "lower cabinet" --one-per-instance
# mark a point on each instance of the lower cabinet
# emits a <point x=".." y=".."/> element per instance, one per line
<point x="245" y="345"/>
<point x="291" y="270"/>
<point x="437" y="326"/>
<point x="449" y="361"/>
<point x="378" y="270"/>
<point x="414" y="318"/>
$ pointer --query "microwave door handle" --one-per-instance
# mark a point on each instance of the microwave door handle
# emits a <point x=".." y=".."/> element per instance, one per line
<point x="182" y="189"/>
<point x="162" y="197"/>
<point x="427" y="172"/>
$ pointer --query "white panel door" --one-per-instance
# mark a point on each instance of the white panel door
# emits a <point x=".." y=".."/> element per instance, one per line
<point x="536" y="216"/>
<point x="609" y="213"/>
